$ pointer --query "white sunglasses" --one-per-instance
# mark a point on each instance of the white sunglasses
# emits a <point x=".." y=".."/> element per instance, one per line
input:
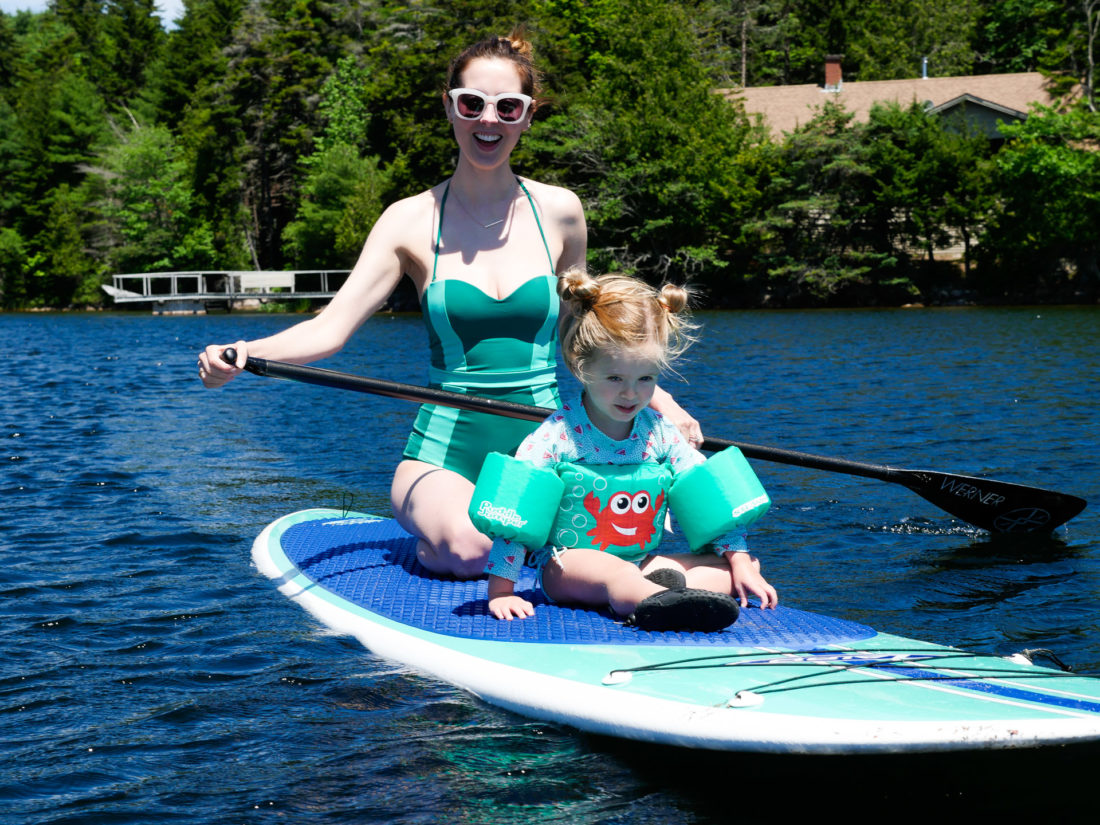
<point x="469" y="104"/>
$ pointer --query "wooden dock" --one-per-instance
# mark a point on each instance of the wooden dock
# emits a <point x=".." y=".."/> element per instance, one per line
<point x="199" y="291"/>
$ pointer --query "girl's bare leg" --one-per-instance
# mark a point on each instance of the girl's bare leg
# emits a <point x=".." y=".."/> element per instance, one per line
<point x="703" y="571"/>
<point x="431" y="503"/>
<point x="594" y="578"/>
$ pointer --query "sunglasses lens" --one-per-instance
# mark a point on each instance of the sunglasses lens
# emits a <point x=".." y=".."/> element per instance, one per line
<point x="470" y="106"/>
<point x="509" y="109"/>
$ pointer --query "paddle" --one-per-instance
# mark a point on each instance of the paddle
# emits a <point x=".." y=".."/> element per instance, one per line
<point x="997" y="506"/>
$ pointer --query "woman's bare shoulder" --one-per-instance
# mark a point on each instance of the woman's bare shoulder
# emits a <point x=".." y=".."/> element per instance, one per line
<point x="406" y="226"/>
<point x="408" y="211"/>
<point x="555" y="200"/>
<point x="563" y="210"/>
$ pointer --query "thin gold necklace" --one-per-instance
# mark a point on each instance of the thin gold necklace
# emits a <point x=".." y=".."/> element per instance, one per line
<point x="477" y="220"/>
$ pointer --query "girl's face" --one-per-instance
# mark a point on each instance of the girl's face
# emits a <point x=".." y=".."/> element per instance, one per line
<point x="487" y="141"/>
<point x="617" y="386"/>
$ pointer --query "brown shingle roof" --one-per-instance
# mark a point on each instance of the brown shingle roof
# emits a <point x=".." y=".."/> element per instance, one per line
<point x="786" y="107"/>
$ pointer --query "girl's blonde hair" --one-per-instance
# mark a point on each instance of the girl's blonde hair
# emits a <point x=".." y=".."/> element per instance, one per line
<point x="617" y="312"/>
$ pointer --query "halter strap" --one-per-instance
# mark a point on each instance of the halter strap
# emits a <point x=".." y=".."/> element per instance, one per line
<point x="534" y="211"/>
<point x="538" y="223"/>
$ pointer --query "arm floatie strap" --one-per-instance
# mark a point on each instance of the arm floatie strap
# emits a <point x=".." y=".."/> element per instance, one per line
<point x="515" y="500"/>
<point x="717" y="496"/>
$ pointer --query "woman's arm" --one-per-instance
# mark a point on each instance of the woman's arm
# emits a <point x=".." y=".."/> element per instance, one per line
<point x="373" y="279"/>
<point x="562" y="215"/>
<point x="666" y="405"/>
<point x="574" y="232"/>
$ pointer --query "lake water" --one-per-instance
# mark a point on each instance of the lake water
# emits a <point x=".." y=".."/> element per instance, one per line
<point x="149" y="674"/>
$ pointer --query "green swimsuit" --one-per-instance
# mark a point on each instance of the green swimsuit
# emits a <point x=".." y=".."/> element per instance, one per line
<point x="499" y="348"/>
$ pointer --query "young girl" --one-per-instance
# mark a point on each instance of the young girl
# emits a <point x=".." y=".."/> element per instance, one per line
<point x="617" y="337"/>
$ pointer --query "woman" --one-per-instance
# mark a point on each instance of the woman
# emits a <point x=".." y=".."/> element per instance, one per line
<point x="483" y="249"/>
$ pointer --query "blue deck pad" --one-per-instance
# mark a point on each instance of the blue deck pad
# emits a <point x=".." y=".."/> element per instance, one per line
<point x="373" y="564"/>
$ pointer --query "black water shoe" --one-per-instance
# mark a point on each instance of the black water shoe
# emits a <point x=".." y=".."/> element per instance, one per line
<point x="668" y="577"/>
<point x="688" y="609"/>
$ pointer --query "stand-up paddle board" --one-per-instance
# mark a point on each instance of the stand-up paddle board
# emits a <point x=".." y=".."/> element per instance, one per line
<point x="783" y="680"/>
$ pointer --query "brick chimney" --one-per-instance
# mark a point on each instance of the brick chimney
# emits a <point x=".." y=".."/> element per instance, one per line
<point x="833" y="78"/>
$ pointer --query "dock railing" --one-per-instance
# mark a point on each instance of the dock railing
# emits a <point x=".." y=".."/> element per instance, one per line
<point x="224" y="286"/>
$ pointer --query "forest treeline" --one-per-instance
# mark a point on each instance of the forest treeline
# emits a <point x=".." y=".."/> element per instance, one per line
<point x="271" y="133"/>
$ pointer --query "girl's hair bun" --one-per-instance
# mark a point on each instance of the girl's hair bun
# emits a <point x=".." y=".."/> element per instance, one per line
<point x="674" y="298"/>
<point x="575" y="286"/>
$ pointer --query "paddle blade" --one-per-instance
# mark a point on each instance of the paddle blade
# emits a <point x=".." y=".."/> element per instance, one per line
<point x="997" y="506"/>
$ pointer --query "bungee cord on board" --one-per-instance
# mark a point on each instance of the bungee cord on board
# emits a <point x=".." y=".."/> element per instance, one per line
<point x="903" y="664"/>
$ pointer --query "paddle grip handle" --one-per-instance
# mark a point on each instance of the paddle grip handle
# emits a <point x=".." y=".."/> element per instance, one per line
<point x="256" y="366"/>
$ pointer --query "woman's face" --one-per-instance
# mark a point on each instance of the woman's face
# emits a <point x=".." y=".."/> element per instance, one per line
<point x="488" y="141"/>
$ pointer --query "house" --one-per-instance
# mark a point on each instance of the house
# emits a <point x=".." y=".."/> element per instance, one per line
<point x="981" y="99"/>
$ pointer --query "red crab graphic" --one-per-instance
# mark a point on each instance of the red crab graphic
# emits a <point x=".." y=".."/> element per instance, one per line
<point x="627" y="519"/>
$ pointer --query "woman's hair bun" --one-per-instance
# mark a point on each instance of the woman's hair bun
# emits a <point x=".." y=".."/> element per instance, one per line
<point x="520" y="44"/>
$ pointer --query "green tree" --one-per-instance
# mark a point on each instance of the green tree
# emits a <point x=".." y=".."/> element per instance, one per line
<point x="343" y="108"/>
<point x="82" y="17"/>
<point x="569" y="42"/>
<point x="928" y="178"/>
<point x="792" y="38"/>
<point x="51" y="117"/>
<point x="149" y="219"/>
<point x="342" y="195"/>
<point x="191" y="60"/>
<point x="1091" y="11"/>
<point x="266" y="148"/>
<point x="131" y="37"/>
<point x="11" y="164"/>
<point x="60" y="115"/>
<point x="259" y="119"/>
<point x="894" y="37"/>
<point x="778" y="41"/>
<point x="342" y="198"/>
<point x="651" y="149"/>
<point x="969" y="196"/>
<point x="818" y="238"/>
<point x="13" y="263"/>
<point x="9" y="51"/>
<point x="61" y="270"/>
<point x="1021" y="35"/>
<point x="1043" y="240"/>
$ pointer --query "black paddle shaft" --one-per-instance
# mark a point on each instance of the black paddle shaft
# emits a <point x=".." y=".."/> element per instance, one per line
<point x="997" y="506"/>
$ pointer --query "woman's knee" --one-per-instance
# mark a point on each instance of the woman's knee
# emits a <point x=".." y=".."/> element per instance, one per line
<point x="431" y="503"/>
<point x="461" y="551"/>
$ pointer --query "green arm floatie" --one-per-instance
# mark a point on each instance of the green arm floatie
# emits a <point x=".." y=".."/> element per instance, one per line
<point x="719" y="495"/>
<point x="515" y="500"/>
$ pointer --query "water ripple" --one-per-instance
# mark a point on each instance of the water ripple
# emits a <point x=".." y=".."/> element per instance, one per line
<point x="148" y="674"/>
